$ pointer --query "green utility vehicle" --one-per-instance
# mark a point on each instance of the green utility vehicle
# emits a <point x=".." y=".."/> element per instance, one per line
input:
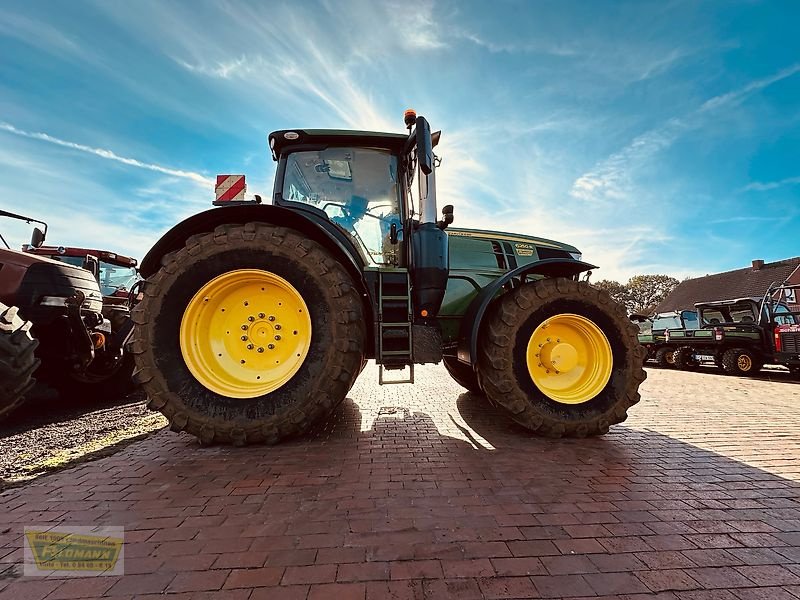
<point x="742" y="335"/>
<point x="256" y="319"/>
<point x="653" y="334"/>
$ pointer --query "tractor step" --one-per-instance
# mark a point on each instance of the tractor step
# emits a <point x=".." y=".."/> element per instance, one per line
<point x="394" y="329"/>
<point x="383" y="381"/>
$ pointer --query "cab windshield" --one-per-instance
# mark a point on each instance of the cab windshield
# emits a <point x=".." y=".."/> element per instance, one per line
<point x="356" y="187"/>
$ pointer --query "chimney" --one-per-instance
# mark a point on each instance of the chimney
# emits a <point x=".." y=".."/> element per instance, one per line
<point x="757" y="264"/>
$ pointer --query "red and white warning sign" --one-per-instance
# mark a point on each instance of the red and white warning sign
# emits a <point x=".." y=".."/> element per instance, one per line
<point x="230" y="187"/>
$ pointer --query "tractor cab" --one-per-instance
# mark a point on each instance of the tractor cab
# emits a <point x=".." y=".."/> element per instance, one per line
<point x="361" y="184"/>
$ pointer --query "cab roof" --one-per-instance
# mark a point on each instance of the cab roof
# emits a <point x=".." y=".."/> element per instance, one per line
<point x="755" y="299"/>
<point x="279" y="142"/>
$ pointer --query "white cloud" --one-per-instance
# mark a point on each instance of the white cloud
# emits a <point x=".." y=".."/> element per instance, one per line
<point x="612" y="178"/>
<point x="765" y="186"/>
<point x="108" y="154"/>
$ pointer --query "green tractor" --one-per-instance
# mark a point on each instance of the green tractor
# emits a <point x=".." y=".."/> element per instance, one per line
<point x="256" y="319"/>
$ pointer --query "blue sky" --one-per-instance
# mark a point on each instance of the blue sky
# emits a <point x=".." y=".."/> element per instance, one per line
<point x="658" y="137"/>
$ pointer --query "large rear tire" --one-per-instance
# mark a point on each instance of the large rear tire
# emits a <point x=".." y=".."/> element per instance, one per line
<point x="464" y="375"/>
<point x="562" y="357"/>
<point x="274" y="283"/>
<point x="17" y="359"/>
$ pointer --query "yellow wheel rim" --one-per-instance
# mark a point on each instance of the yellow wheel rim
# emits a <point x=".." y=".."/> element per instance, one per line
<point x="744" y="362"/>
<point x="569" y="359"/>
<point x="245" y="333"/>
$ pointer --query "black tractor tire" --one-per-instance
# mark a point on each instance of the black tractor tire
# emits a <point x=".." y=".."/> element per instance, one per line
<point x="665" y="357"/>
<point x="93" y="387"/>
<point x="740" y="361"/>
<point x="17" y="359"/>
<point x="503" y="368"/>
<point x="335" y="355"/>
<point x="684" y="359"/>
<point x="464" y="375"/>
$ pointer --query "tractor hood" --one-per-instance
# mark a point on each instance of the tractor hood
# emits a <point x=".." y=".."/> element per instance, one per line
<point x="524" y="248"/>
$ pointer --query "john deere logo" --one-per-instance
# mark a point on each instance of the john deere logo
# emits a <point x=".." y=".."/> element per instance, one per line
<point x="70" y="551"/>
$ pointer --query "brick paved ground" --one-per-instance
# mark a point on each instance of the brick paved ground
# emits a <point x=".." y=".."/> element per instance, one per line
<point x="427" y="492"/>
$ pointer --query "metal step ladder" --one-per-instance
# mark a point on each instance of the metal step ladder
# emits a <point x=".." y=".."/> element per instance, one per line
<point x="394" y="343"/>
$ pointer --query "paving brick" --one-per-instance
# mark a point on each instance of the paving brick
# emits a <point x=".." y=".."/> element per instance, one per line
<point x="310" y="574"/>
<point x="416" y="569"/>
<point x="568" y="564"/>
<point x="518" y="567"/>
<point x="562" y="586"/>
<point x="668" y="579"/>
<point x="141" y="584"/>
<point x="610" y="563"/>
<point x="371" y="571"/>
<point x="769" y="575"/>
<point x="249" y="578"/>
<point x="615" y="583"/>
<point x="468" y="568"/>
<point x="396" y="590"/>
<point x="454" y="589"/>
<point x="719" y="577"/>
<point x="284" y="592"/>
<point x="340" y="591"/>
<point x="84" y="587"/>
<point x="508" y="587"/>
<point x="198" y="582"/>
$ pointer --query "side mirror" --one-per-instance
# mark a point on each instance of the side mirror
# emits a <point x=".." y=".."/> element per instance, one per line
<point x="91" y="264"/>
<point x="37" y="238"/>
<point x="447" y="216"/>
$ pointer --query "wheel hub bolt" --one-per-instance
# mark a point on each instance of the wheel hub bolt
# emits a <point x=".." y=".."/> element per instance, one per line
<point x="260" y="349"/>
<point x="250" y="346"/>
<point x="277" y="327"/>
<point x="270" y="346"/>
<point x="251" y="319"/>
<point x="244" y="338"/>
<point x="277" y="338"/>
<point x="244" y="327"/>
<point x="261" y="315"/>
<point x="271" y="318"/>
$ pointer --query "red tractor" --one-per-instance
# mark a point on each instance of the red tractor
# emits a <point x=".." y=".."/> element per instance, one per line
<point x="54" y="326"/>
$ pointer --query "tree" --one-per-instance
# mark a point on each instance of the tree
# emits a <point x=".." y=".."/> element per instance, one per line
<point x="646" y="291"/>
<point x="641" y="293"/>
<point x="618" y="291"/>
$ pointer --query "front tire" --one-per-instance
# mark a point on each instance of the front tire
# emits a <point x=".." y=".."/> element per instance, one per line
<point x="17" y="359"/>
<point x="264" y="274"/>
<point x="665" y="357"/>
<point x="463" y="374"/>
<point x="579" y="383"/>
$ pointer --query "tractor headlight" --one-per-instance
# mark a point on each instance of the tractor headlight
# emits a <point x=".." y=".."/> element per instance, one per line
<point x="53" y="301"/>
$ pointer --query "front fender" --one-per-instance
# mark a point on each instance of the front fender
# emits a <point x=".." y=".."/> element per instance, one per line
<point x="471" y="323"/>
<point x="317" y="229"/>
